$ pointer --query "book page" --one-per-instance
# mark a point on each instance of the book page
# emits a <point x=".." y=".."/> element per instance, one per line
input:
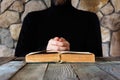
<point x="74" y="52"/>
<point x="59" y="52"/>
<point x="43" y="52"/>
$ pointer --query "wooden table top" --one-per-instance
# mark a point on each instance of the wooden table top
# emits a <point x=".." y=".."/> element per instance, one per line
<point x="17" y="69"/>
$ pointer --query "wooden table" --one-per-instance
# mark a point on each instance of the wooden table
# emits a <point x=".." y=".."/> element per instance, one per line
<point x="17" y="69"/>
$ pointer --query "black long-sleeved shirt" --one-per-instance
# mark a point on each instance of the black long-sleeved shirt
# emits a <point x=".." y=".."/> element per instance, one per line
<point x="80" y="28"/>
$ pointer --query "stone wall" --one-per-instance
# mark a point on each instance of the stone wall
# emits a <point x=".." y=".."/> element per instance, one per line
<point x="12" y="13"/>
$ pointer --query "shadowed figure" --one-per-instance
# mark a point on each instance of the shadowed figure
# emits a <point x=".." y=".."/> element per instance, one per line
<point x="60" y="27"/>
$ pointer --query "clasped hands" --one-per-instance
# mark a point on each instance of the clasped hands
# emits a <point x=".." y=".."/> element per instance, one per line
<point x="58" y="44"/>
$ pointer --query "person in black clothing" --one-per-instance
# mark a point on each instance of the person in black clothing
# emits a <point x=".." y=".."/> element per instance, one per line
<point x="60" y="27"/>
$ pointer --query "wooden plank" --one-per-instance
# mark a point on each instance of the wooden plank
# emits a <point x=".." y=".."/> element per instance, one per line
<point x="101" y="59"/>
<point x="19" y="59"/>
<point x="33" y="71"/>
<point x="10" y="68"/>
<point x="112" y="68"/>
<point x="60" y="72"/>
<point x="5" y="59"/>
<point x="91" y="72"/>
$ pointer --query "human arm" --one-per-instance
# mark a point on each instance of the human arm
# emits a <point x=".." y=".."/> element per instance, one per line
<point x="94" y="39"/>
<point x="29" y="38"/>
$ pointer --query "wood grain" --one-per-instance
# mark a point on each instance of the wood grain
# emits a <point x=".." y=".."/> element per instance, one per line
<point x="5" y="59"/>
<point x="60" y="72"/>
<point x="91" y="72"/>
<point x="10" y="68"/>
<point x="112" y="68"/>
<point x="31" y="72"/>
<point x="18" y="69"/>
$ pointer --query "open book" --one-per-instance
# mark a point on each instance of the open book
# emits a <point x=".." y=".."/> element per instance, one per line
<point x="60" y="56"/>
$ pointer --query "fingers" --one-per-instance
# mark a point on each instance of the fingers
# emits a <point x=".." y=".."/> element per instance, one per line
<point x="56" y="48"/>
<point x="62" y="39"/>
<point x="58" y="44"/>
<point x="56" y="38"/>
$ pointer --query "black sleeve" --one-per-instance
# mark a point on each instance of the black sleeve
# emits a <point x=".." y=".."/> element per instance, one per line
<point x="94" y="40"/>
<point x="27" y="41"/>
